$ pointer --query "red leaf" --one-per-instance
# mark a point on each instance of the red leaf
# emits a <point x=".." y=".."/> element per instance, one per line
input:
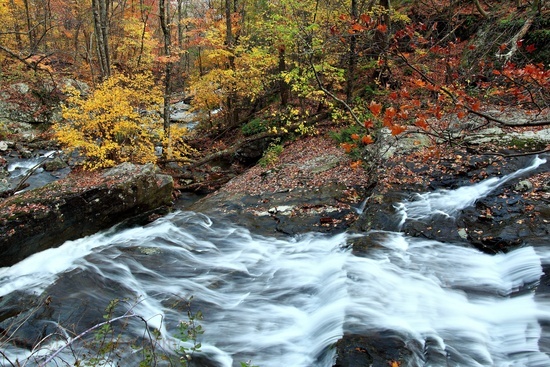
<point x="390" y="112"/>
<point x="368" y="124"/>
<point x="354" y="137"/>
<point x="367" y="139"/>
<point x="421" y="123"/>
<point x="397" y="129"/>
<point x="519" y="43"/>
<point x="382" y="28"/>
<point x="347" y="147"/>
<point x="393" y="95"/>
<point x="375" y="108"/>
<point x="476" y="106"/>
<point x="365" y="18"/>
<point x="502" y="47"/>
<point x="358" y="28"/>
<point x="530" y="48"/>
<point x="461" y="114"/>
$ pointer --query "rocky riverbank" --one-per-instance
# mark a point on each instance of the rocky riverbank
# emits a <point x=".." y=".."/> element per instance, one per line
<point x="80" y="205"/>
<point x="320" y="192"/>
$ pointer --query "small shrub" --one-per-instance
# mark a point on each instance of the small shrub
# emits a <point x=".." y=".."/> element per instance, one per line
<point x="271" y="155"/>
<point x="109" y="127"/>
<point x="253" y="127"/>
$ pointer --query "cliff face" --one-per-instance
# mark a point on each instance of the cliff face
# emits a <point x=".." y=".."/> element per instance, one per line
<point x="79" y="206"/>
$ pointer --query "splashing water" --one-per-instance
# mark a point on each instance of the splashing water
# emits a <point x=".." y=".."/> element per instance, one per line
<point x="450" y="202"/>
<point x="286" y="302"/>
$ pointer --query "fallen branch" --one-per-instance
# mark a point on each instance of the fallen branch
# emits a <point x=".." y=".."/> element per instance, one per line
<point x="514" y="40"/>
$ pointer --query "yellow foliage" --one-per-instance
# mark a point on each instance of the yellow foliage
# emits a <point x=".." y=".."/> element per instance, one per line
<point x="119" y="122"/>
<point x="177" y="148"/>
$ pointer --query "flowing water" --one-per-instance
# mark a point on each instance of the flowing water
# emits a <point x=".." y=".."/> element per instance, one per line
<point x="286" y="302"/>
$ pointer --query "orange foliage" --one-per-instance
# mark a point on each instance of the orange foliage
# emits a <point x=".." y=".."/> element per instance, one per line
<point x="375" y="108"/>
<point x="367" y="139"/>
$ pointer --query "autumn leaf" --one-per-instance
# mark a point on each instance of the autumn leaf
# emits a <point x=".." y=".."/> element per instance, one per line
<point x="502" y="47"/>
<point x="394" y="363"/>
<point x="375" y="108"/>
<point x="519" y="43"/>
<point x="356" y="164"/>
<point x="393" y="95"/>
<point x="367" y="139"/>
<point x="397" y="129"/>
<point x="365" y="18"/>
<point x="347" y="147"/>
<point x="461" y="114"/>
<point x="390" y="112"/>
<point x="476" y="106"/>
<point x="420" y="83"/>
<point x="358" y="27"/>
<point x="354" y="137"/>
<point x="382" y="28"/>
<point x="421" y="123"/>
<point x="530" y="48"/>
<point x="368" y="124"/>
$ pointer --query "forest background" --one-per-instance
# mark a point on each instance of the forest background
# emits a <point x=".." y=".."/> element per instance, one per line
<point x="102" y="75"/>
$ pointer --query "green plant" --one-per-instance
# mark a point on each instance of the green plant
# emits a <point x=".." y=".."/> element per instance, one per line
<point x="248" y="364"/>
<point x="254" y="126"/>
<point x="345" y="135"/>
<point x="271" y="155"/>
<point x="188" y="331"/>
<point x="105" y="343"/>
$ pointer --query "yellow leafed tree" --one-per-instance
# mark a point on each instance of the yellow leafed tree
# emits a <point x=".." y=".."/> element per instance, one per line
<point x="118" y="123"/>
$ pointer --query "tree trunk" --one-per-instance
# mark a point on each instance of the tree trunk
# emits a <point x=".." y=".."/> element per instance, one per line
<point x="232" y="113"/>
<point x="283" y="85"/>
<point x="31" y="30"/>
<point x="164" y="19"/>
<point x="101" y="30"/>
<point x="16" y="27"/>
<point x="352" y="57"/>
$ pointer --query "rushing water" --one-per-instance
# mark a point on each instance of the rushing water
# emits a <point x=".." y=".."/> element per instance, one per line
<point x="286" y="302"/>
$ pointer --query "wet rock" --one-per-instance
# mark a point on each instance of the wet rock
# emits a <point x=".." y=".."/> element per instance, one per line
<point x="289" y="212"/>
<point x="381" y="349"/>
<point x="54" y="164"/>
<point x="78" y="206"/>
<point x="251" y="152"/>
<point x="523" y="186"/>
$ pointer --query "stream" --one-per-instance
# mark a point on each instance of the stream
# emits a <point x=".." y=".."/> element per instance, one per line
<point x="286" y="302"/>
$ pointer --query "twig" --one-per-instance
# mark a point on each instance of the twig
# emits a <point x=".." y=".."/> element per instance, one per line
<point x="332" y="95"/>
<point x="31" y="171"/>
<point x="87" y="331"/>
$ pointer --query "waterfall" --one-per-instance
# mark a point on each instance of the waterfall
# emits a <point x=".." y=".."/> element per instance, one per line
<point x="286" y="302"/>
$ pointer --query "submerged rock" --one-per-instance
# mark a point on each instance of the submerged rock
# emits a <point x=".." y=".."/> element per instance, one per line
<point x="77" y="206"/>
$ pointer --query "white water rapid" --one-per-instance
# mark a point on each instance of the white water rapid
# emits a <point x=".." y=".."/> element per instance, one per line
<point x="286" y="302"/>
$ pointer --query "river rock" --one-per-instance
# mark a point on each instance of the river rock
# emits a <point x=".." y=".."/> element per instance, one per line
<point x="325" y="209"/>
<point x="77" y="206"/>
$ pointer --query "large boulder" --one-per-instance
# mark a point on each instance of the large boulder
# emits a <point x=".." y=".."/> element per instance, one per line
<point x="77" y="206"/>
